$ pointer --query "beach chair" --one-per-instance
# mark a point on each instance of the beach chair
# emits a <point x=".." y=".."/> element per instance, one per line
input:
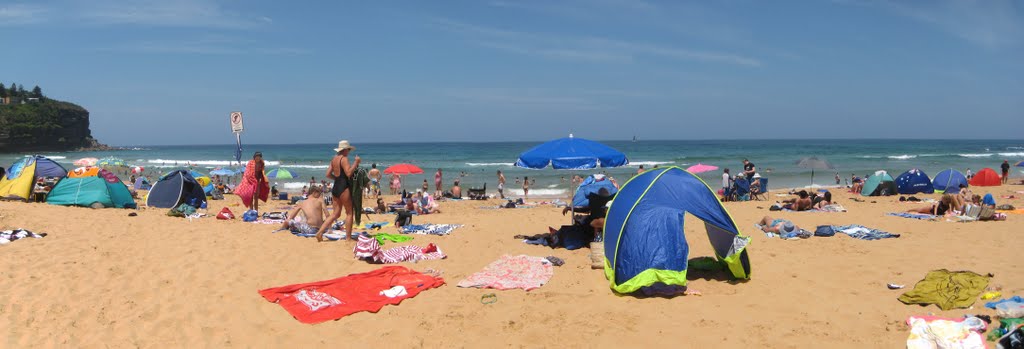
<point x="477" y="193"/>
<point x="759" y="192"/>
<point x="740" y="190"/>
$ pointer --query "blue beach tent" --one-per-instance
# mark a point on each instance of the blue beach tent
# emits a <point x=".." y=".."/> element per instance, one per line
<point x="102" y="188"/>
<point x="914" y="181"/>
<point x="589" y="186"/>
<point x="176" y="188"/>
<point x="949" y="181"/>
<point x="644" y="240"/>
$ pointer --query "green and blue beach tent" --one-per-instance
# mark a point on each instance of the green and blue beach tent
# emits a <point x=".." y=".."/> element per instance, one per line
<point x="644" y="240"/>
<point x="879" y="184"/>
<point x="98" y="186"/>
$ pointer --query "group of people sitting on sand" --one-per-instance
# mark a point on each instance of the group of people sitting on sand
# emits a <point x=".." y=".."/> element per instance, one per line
<point x="807" y="201"/>
<point x="957" y="204"/>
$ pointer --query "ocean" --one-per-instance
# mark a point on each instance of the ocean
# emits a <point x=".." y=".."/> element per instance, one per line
<point x="477" y="163"/>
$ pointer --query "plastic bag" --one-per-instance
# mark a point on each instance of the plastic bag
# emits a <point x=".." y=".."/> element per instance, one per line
<point x="225" y="214"/>
<point x="250" y="216"/>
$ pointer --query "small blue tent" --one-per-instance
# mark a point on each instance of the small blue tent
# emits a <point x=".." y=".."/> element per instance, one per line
<point x="949" y="181"/>
<point x="589" y="186"/>
<point x="644" y="240"/>
<point x="176" y="188"/>
<point x="102" y="188"/>
<point x="879" y="184"/>
<point x="914" y="181"/>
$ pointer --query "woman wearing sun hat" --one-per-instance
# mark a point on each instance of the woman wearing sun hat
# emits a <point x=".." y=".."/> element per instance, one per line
<point x="341" y="172"/>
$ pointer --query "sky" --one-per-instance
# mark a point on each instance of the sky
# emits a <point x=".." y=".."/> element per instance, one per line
<point x="170" y="72"/>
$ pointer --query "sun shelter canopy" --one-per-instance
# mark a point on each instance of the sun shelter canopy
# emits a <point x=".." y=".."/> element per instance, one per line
<point x="571" y="153"/>
<point x="101" y="187"/>
<point x="21" y="176"/>
<point x="879" y="184"/>
<point x="914" y="181"/>
<point x="949" y="181"/>
<point x="987" y="177"/>
<point x="591" y="185"/>
<point x="645" y="242"/>
<point x="174" y="189"/>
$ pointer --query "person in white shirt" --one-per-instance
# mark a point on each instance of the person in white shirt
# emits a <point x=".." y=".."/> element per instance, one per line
<point x="726" y="179"/>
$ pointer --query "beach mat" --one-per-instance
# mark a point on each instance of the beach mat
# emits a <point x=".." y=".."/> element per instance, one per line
<point x="920" y="216"/>
<point x="333" y="299"/>
<point x="430" y="229"/>
<point x="947" y="289"/>
<point x="511" y="272"/>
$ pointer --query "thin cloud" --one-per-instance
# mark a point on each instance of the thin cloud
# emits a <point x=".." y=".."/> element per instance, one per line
<point x="523" y="98"/>
<point x="990" y="23"/>
<point x="20" y="14"/>
<point x="591" y="49"/>
<point x="211" y="45"/>
<point x="182" y="13"/>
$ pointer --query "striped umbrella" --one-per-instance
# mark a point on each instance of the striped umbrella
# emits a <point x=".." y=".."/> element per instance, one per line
<point x="86" y="162"/>
<point x="280" y="173"/>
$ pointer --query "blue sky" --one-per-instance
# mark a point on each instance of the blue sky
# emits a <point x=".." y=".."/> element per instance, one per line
<point x="504" y="70"/>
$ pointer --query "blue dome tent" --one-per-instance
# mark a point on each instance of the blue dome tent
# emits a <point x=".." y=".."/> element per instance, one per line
<point x="176" y="188"/>
<point x="949" y="181"/>
<point x="644" y="240"/>
<point x="589" y="186"/>
<point x="914" y="181"/>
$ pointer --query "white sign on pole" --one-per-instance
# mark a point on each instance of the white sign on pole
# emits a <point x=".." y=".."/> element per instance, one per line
<point x="236" y="122"/>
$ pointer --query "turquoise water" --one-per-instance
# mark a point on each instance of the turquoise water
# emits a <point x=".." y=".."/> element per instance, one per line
<point x="479" y="161"/>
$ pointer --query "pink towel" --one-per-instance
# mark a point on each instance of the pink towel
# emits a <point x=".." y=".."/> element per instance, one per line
<point x="510" y="272"/>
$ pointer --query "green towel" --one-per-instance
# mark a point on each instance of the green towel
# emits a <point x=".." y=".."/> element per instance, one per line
<point x="394" y="238"/>
<point x="359" y="181"/>
<point x="947" y="289"/>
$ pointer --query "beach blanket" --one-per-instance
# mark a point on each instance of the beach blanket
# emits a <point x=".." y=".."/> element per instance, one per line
<point x="8" y="236"/>
<point x="377" y="225"/>
<point x="382" y="237"/>
<point x="826" y="208"/>
<point x="510" y="272"/>
<point x="913" y="215"/>
<point x="947" y="289"/>
<point x="864" y="233"/>
<point x="927" y="332"/>
<point x="368" y="248"/>
<point x="247" y="188"/>
<point x="430" y="229"/>
<point x="333" y="299"/>
<point x="1014" y="299"/>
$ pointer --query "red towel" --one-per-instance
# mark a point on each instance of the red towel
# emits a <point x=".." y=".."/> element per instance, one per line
<point x="247" y="188"/>
<point x="333" y="299"/>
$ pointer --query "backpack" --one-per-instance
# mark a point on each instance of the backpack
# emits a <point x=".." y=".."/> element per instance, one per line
<point x="825" y="230"/>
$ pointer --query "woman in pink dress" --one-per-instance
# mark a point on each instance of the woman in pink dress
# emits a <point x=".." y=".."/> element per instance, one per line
<point x="253" y="180"/>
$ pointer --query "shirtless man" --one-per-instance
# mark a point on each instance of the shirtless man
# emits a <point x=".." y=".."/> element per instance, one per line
<point x="375" y="178"/>
<point x="312" y="209"/>
<point x="501" y="184"/>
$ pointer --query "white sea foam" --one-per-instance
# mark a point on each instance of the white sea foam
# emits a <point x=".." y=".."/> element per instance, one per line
<point x="55" y="157"/>
<point x="902" y="157"/>
<point x="489" y="164"/>
<point x="202" y="162"/>
<point x="305" y="166"/>
<point x="982" y="155"/>
<point x="649" y="163"/>
<point x="1012" y="154"/>
<point x="293" y="185"/>
<point x="538" y="192"/>
<point x="553" y="186"/>
<point x="1015" y="148"/>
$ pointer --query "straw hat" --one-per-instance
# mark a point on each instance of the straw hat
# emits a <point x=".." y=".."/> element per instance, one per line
<point x="343" y="145"/>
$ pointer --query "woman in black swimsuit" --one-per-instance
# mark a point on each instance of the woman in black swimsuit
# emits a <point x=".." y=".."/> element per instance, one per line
<point x="341" y="171"/>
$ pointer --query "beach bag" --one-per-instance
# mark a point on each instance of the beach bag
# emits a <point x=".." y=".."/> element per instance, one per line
<point x="225" y="214"/>
<point x="1005" y="207"/>
<point x="825" y="230"/>
<point x="277" y="216"/>
<point x="250" y="216"/>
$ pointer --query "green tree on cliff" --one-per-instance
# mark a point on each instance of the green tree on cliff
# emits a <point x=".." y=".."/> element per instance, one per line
<point x="37" y="92"/>
<point x="3" y="90"/>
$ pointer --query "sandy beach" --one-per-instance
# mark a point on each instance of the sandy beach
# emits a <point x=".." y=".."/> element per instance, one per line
<point x="102" y="278"/>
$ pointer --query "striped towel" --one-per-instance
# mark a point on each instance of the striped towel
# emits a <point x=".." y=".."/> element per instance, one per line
<point x="368" y="248"/>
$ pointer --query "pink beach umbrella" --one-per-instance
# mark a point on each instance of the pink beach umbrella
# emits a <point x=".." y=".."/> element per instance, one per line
<point x="698" y="168"/>
<point x="137" y="169"/>
<point x="86" y="162"/>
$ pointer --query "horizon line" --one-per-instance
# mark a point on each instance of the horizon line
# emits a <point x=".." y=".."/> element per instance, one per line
<point x="600" y="140"/>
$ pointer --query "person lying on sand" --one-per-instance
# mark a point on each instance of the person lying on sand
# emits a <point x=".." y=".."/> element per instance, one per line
<point x="778" y="226"/>
<point x="938" y="209"/>
<point x="803" y="203"/>
<point x="823" y="200"/>
<point x="312" y="209"/>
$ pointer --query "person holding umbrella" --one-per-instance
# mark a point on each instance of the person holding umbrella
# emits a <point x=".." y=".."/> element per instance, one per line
<point x="341" y="172"/>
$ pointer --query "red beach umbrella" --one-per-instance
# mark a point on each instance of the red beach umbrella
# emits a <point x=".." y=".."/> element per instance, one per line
<point x="403" y="169"/>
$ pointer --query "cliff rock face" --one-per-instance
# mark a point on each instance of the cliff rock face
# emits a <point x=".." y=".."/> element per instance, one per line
<point x="44" y="125"/>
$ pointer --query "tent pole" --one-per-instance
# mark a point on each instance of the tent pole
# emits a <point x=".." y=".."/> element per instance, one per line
<point x="572" y="196"/>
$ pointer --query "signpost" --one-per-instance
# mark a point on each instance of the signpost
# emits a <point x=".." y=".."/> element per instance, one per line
<point x="236" y="128"/>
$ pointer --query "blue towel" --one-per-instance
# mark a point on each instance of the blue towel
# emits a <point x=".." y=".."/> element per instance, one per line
<point x="864" y="233"/>
<point x="992" y="305"/>
<point x="912" y="215"/>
